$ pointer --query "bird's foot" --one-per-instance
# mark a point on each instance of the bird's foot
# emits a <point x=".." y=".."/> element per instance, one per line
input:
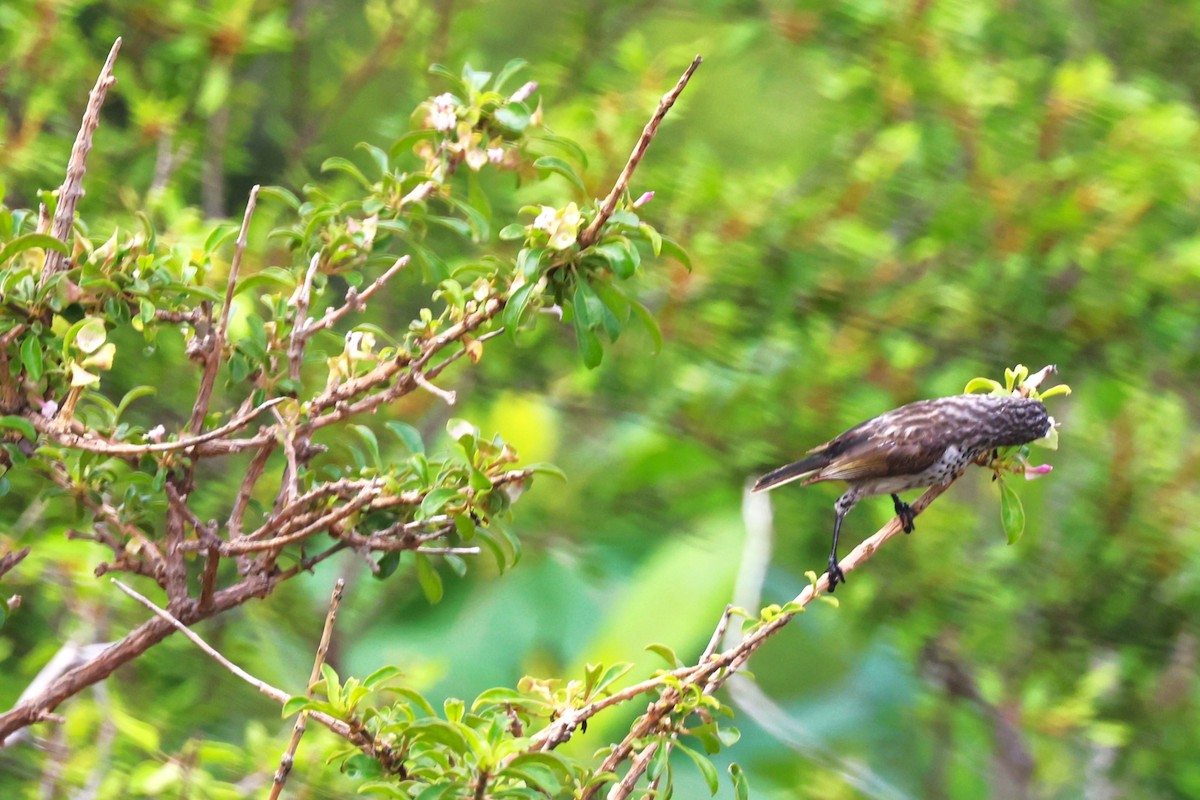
<point x="905" y="513"/>
<point x="835" y="573"/>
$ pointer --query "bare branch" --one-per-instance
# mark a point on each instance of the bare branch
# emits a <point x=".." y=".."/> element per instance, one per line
<point x="289" y="756"/>
<point x="592" y="233"/>
<point x="216" y="344"/>
<point x="95" y="444"/>
<point x="72" y="188"/>
<point x="355" y="300"/>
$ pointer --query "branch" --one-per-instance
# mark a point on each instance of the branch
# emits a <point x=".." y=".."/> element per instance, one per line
<point x="339" y="727"/>
<point x="212" y="359"/>
<point x="96" y="444"/>
<point x="592" y="233"/>
<point x="289" y="755"/>
<point x="72" y="188"/>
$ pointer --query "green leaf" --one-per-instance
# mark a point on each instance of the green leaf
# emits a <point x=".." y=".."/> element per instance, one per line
<point x="500" y="695"/>
<point x="508" y="71"/>
<point x="339" y="164"/>
<point x="514" y="309"/>
<point x="707" y="770"/>
<point x="19" y="424"/>
<point x="131" y="395"/>
<point x="672" y="249"/>
<point x="407" y="434"/>
<point x="31" y="240"/>
<point x="372" y="443"/>
<point x="281" y="194"/>
<point x="387" y="565"/>
<point x="512" y="231"/>
<point x="264" y="276"/>
<point x="983" y="385"/>
<point x="1012" y="513"/>
<point x="621" y="256"/>
<point x="382" y="675"/>
<point x="589" y="343"/>
<point x="666" y="654"/>
<point x="88" y="334"/>
<point x="651" y="324"/>
<point x="513" y="118"/>
<point x="741" y="784"/>
<point x="295" y="705"/>
<point x="219" y="235"/>
<point x="544" y="468"/>
<point x="31" y="357"/>
<point x="557" y="165"/>
<point x="435" y="500"/>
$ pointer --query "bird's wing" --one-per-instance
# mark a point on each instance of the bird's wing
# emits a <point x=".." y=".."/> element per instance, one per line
<point x="876" y="456"/>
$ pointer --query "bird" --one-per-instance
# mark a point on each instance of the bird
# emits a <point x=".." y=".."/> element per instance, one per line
<point x="926" y="443"/>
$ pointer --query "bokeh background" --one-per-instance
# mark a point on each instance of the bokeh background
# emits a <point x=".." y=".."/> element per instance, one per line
<point x="880" y="200"/>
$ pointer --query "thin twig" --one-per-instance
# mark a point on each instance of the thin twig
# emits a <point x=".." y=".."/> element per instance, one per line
<point x="355" y="300"/>
<point x="96" y="444"/>
<point x="592" y="233"/>
<point x="212" y="359"/>
<point x="300" y="301"/>
<point x="72" y="188"/>
<point x="339" y="727"/>
<point x="289" y="755"/>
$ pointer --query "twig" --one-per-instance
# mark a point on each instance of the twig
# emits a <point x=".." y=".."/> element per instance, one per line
<point x="339" y="727"/>
<point x="10" y="560"/>
<point x="289" y="755"/>
<point x="592" y="233"/>
<point x="72" y="188"/>
<point x="212" y="359"/>
<point x="449" y="397"/>
<point x="355" y="300"/>
<point x="96" y="444"/>
<point x="300" y="301"/>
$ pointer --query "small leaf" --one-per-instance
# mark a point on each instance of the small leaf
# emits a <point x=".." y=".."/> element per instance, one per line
<point x="370" y="440"/>
<point x="557" y="165"/>
<point x="589" y="344"/>
<point x="514" y="309"/>
<point x="983" y="385"/>
<point x="741" y="784"/>
<point x="281" y="194"/>
<point x="672" y="249"/>
<point x="407" y="434"/>
<point x="295" y="705"/>
<point x="339" y="164"/>
<point x="89" y="334"/>
<point x="31" y="240"/>
<point x="435" y="500"/>
<point x="651" y="324"/>
<point x="1012" y="513"/>
<point x="507" y="71"/>
<point x="666" y="654"/>
<point x="512" y="231"/>
<point x="31" y="357"/>
<point x="19" y="424"/>
<point x="543" y="468"/>
<point x="707" y="770"/>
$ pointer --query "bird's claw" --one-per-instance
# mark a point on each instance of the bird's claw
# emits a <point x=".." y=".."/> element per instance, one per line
<point x="907" y="517"/>
<point x="835" y="573"/>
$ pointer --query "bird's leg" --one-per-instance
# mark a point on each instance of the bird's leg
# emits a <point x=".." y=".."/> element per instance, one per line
<point x="905" y="513"/>
<point x="842" y="507"/>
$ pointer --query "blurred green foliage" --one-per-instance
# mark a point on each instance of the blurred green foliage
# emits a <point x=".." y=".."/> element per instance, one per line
<point x="879" y="201"/>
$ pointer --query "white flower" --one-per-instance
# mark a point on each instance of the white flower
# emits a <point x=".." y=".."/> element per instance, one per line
<point x="442" y="113"/>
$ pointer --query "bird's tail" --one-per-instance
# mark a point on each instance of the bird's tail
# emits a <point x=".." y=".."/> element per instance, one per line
<point x="791" y="472"/>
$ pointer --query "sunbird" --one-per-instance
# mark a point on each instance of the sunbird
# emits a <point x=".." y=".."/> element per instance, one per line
<point x="926" y="443"/>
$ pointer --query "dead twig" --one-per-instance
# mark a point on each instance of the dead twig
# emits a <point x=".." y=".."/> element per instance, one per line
<point x="72" y="188"/>
<point x="289" y="755"/>
<point x="592" y="232"/>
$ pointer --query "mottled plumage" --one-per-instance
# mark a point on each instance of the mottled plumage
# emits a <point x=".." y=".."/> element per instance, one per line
<point x="926" y="443"/>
